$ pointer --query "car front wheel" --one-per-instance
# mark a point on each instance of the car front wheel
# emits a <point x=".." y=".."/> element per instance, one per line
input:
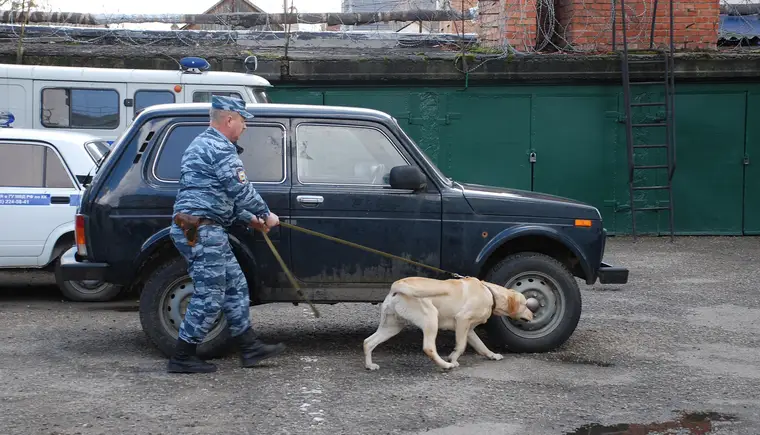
<point x="541" y="277"/>
<point x="163" y="302"/>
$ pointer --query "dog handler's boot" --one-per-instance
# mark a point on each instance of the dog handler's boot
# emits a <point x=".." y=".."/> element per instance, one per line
<point x="253" y="350"/>
<point x="185" y="360"/>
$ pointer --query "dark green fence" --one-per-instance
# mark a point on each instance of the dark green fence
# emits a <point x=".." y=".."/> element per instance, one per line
<point x="486" y="135"/>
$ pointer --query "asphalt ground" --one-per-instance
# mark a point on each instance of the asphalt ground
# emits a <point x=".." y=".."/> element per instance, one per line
<point x="678" y="349"/>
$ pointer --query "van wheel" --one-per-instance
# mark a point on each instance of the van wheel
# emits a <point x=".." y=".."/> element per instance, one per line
<point x="86" y="291"/>
<point x="546" y="279"/>
<point x="163" y="302"/>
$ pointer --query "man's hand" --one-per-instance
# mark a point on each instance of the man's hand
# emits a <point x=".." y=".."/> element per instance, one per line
<point x="259" y="224"/>
<point x="272" y="220"/>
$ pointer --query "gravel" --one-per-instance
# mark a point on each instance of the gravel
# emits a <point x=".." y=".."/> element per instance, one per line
<point x="682" y="337"/>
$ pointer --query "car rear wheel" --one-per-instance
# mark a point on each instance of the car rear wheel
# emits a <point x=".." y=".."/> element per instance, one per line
<point x="163" y="302"/>
<point x="86" y="291"/>
<point x="541" y="277"/>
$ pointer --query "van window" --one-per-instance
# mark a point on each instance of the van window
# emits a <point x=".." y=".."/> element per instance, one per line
<point x="205" y="97"/>
<point x="263" y="156"/>
<point x="80" y="108"/>
<point x="151" y="97"/>
<point x="27" y="165"/>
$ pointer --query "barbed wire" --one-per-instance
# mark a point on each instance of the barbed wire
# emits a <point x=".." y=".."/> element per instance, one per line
<point x="498" y="29"/>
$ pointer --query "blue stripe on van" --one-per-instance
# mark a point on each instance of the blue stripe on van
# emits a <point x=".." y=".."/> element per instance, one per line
<point x="24" y="199"/>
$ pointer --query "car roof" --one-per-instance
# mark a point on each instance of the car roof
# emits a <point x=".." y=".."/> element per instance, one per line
<point x="272" y="109"/>
<point x="68" y="143"/>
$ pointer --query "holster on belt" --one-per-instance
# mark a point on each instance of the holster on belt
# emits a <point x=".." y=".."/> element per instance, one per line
<point x="189" y="225"/>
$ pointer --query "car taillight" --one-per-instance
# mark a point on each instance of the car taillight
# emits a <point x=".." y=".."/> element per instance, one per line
<point x="79" y="235"/>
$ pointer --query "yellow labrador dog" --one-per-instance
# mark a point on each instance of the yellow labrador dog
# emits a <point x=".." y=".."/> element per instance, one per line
<point x="455" y="304"/>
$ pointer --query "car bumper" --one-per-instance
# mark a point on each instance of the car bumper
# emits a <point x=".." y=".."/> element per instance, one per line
<point x="609" y="274"/>
<point x="73" y="269"/>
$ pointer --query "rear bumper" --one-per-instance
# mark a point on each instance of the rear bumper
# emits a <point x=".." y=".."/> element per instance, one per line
<point x="609" y="274"/>
<point x="73" y="269"/>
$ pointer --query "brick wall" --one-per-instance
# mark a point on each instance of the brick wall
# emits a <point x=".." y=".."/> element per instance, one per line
<point x="511" y="21"/>
<point x="455" y="27"/>
<point x="587" y="24"/>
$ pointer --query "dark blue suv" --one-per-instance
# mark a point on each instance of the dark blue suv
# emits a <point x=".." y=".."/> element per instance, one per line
<point x="328" y="169"/>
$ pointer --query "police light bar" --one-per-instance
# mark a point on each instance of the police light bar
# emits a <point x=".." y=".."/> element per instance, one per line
<point x="194" y="64"/>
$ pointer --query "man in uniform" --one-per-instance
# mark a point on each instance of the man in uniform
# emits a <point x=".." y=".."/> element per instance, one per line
<point x="214" y="193"/>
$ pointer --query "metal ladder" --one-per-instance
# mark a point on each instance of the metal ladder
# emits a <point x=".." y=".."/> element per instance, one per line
<point x="665" y="58"/>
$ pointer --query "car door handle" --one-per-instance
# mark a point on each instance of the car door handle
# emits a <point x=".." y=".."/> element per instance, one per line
<point x="310" y="199"/>
<point x="59" y="199"/>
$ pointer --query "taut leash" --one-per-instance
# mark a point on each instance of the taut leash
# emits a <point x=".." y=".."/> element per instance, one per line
<point x="292" y="279"/>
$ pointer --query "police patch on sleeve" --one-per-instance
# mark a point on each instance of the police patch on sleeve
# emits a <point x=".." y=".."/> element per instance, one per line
<point x="240" y="174"/>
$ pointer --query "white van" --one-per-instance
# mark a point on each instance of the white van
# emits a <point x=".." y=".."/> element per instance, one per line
<point x="104" y="101"/>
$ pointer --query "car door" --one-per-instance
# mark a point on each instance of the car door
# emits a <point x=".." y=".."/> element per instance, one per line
<point x="144" y="95"/>
<point x="264" y="157"/>
<point x="340" y="187"/>
<point x="36" y="191"/>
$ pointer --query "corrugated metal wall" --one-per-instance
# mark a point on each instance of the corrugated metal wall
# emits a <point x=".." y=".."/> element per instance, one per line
<point x="579" y="142"/>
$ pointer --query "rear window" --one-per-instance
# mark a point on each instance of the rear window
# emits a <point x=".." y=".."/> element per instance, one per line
<point x="263" y="156"/>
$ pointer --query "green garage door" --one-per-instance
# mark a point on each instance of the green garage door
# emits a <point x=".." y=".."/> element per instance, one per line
<point x="752" y="169"/>
<point x="485" y="138"/>
<point x="708" y="182"/>
<point x="574" y="140"/>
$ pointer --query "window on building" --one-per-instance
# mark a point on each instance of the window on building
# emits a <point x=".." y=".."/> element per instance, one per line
<point x="205" y="97"/>
<point x="80" y="108"/>
<point x="337" y="154"/>
<point x="263" y="156"/>
<point x="147" y="98"/>
<point x="26" y="165"/>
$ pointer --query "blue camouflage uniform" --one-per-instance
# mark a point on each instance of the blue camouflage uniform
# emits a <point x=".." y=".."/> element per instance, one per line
<point x="213" y="185"/>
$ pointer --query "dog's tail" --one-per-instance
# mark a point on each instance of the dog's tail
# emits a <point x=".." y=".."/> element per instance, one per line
<point x="416" y="292"/>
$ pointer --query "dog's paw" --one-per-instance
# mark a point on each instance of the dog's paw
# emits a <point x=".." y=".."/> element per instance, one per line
<point x="449" y="366"/>
<point x="496" y="357"/>
<point x="373" y="367"/>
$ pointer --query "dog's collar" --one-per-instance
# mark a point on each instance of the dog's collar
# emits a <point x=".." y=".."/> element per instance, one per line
<point x="493" y="296"/>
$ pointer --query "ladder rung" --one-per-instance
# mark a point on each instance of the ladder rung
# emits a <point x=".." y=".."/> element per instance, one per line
<point x="658" y="103"/>
<point x="651" y="187"/>
<point x="658" y="124"/>
<point x="651" y="208"/>
<point x="650" y="146"/>
<point x="651" y="167"/>
<point x="646" y="60"/>
<point x="646" y="83"/>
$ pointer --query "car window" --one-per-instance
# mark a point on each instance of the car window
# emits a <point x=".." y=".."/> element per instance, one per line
<point x="26" y="165"/>
<point x="80" y="108"/>
<point x="205" y="97"/>
<point x="263" y="156"/>
<point x="147" y="98"/>
<point x="96" y="150"/>
<point x="345" y="155"/>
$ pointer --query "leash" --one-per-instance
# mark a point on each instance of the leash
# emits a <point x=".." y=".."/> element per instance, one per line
<point x="292" y="279"/>
<point x="374" y="251"/>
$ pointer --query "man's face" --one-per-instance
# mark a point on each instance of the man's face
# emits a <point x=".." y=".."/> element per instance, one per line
<point x="235" y="126"/>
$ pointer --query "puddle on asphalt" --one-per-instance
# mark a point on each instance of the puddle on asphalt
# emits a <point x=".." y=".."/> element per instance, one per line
<point x="695" y="423"/>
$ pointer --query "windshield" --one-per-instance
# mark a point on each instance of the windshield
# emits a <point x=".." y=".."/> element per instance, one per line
<point x="425" y="157"/>
<point x="97" y="150"/>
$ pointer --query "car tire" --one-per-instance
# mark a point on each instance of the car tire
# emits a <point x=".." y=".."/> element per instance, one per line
<point x="84" y="291"/>
<point x="545" y="278"/>
<point x="162" y="301"/>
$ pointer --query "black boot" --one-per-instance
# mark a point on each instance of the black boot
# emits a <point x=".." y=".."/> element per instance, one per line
<point x="253" y="350"/>
<point x="185" y="360"/>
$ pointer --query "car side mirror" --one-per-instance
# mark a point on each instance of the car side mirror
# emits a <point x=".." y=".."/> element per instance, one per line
<point x="407" y="177"/>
